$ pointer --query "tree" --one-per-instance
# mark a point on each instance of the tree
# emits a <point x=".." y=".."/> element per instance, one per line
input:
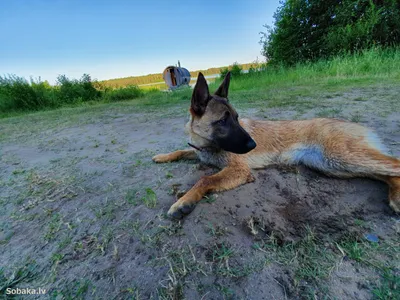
<point x="307" y="30"/>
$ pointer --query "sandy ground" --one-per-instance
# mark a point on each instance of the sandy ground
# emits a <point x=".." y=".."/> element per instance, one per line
<point x="83" y="212"/>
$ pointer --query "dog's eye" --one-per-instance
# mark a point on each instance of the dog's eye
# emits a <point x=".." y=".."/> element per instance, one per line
<point x="221" y="122"/>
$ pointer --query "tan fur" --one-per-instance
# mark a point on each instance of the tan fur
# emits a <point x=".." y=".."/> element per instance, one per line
<point x="334" y="147"/>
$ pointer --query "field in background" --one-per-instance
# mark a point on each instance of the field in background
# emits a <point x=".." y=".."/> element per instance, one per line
<point x="84" y="207"/>
<point x="155" y="78"/>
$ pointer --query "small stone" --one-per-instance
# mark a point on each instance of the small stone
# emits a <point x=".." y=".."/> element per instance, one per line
<point x="371" y="237"/>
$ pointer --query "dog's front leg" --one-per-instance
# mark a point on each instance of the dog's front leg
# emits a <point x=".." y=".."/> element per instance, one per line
<point x="176" y="155"/>
<point x="228" y="178"/>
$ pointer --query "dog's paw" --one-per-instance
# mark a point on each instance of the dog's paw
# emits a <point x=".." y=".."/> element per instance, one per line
<point x="179" y="210"/>
<point x="161" y="158"/>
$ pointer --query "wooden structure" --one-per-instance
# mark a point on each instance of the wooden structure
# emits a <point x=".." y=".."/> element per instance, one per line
<point x="176" y="76"/>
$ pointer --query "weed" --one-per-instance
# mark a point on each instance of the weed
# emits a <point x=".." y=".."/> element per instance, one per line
<point x="53" y="227"/>
<point x="216" y="230"/>
<point x="150" y="198"/>
<point x="76" y="289"/>
<point x="389" y="286"/>
<point x="208" y="199"/>
<point x="132" y="196"/>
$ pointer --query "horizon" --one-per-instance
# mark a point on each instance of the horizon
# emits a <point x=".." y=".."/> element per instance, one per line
<point x="110" y="40"/>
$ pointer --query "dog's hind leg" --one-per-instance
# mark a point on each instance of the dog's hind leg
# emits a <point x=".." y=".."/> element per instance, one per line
<point x="228" y="178"/>
<point x="176" y="155"/>
<point x="370" y="162"/>
<point x="394" y="191"/>
<point x="355" y="160"/>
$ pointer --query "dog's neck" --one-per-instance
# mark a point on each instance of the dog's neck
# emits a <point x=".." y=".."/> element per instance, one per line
<point x="206" y="148"/>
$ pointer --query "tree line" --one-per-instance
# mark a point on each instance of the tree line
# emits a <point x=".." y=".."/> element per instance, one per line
<point x="152" y="78"/>
<point x="307" y="30"/>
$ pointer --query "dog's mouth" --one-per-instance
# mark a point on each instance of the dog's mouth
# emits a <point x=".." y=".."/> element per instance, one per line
<point x="241" y="148"/>
<point x="238" y="142"/>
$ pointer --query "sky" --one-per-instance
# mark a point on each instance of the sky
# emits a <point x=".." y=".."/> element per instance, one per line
<point x="113" y="39"/>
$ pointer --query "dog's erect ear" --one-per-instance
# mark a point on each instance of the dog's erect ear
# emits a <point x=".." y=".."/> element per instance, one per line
<point x="200" y="96"/>
<point x="224" y="87"/>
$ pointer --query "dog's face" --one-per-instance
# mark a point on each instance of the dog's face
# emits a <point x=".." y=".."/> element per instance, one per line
<point x="214" y="121"/>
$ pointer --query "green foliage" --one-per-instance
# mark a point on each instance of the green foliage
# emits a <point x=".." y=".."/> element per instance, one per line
<point x="17" y="94"/>
<point x="235" y="68"/>
<point x="308" y="30"/>
<point x="124" y="93"/>
<point x="72" y="90"/>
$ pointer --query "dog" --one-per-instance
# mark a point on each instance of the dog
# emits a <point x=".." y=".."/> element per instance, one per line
<point x="218" y="137"/>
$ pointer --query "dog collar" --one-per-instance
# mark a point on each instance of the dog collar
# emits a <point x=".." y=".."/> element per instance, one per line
<point x="209" y="148"/>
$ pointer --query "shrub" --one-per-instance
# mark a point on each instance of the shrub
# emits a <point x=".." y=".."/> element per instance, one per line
<point x="235" y="68"/>
<point x="16" y="93"/>
<point x="73" y="90"/>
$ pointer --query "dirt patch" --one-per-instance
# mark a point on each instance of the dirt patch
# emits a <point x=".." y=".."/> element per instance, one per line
<point x="84" y="216"/>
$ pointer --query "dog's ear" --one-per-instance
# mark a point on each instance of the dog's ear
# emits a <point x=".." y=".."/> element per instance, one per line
<point x="200" y="96"/>
<point x="222" y="91"/>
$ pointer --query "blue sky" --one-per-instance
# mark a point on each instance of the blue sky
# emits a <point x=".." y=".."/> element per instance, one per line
<point x="111" y="39"/>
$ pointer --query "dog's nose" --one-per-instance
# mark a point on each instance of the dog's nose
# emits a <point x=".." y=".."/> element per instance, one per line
<point x="251" y="144"/>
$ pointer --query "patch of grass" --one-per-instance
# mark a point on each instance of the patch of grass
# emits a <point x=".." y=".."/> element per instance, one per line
<point x="389" y="286"/>
<point x="360" y="99"/>
<point x="353" y="249"/>
<point x="224" y="262"/>
<point x="309" y="258"/>
<point x="131" y="226"/>
<point x="53" y="227"/>
<point x="150" y="198"/>
<point x="76" y="289"/>
<point x="356" y="117"/>
<point x="65" y="241"/>
<point x="24" y="274"/>
<point x="106" y="211"/>
<point x="104" y="241"/>
<point x="132" y="196"/>
<point x="18" y="171"/>
<point x="208" y="199"/>
<point x="132" y="292"/>
<point x="329" y="113"/>
<point x="225" y="291"/>
<point x="216" y="230"/>
<point x="181" y="263"/>
<point x="123" y="93"/>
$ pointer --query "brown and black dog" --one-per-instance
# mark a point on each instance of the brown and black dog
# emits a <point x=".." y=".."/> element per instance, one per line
<point x="334" y="147"/>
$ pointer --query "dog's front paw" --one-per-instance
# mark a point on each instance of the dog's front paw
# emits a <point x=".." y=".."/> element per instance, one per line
<point x="161" y="158"/>
<point x="179" y="210"/>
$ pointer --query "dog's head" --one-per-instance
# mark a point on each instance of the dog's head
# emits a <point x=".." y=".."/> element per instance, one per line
<point x="214" y="121"/>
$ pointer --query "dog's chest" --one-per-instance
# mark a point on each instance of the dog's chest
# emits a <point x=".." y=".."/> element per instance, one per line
<point x="218" y="159"/>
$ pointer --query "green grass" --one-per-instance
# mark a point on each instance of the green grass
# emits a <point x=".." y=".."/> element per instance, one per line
<point x="313" y="260"/>
<point x="23" y="274"/>
<point x="150" y="198"/>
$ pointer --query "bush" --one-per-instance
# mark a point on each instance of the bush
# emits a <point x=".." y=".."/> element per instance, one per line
<point x="235" y="68"/>
<point x="73" y="90"/>
<point x="16" y="93"/>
